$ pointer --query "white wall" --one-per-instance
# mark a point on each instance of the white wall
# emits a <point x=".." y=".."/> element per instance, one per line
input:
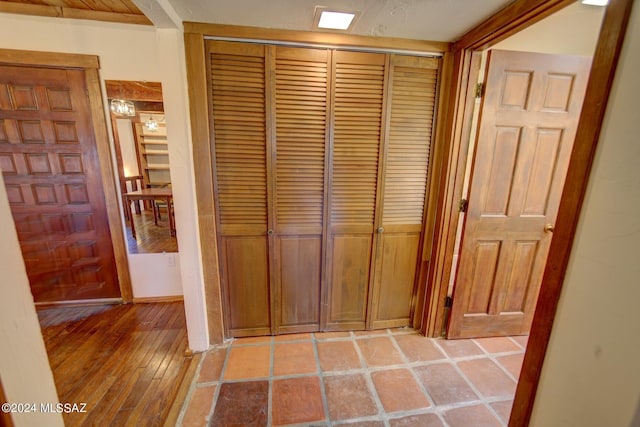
<point x="24" y="367"/>
<point x="127" y="147"/>
<point x="572" y="31"/>
<point x="134" y="52"/>
<point x="591" y="374"/>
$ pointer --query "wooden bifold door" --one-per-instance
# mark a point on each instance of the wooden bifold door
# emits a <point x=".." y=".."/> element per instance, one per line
<point x="321" y="174"/>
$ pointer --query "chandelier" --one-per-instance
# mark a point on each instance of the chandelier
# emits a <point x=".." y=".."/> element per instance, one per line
<point x="121" y="107"/>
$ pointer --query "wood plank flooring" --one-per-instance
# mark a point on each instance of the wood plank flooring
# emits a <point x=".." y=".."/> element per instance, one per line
<point x="126" y="362"/>
<point x="151" y="238"/>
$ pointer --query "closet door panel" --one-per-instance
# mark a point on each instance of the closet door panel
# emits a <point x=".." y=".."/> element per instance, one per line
<point x="300" y="269"/>
<point x="237" y="93"/>
<point x="357" y="123"/>
<point x="350" y="281"/>
<point x="245" y="262"/>
<point x="301" y="91"/>
<point x="410" y="118"/>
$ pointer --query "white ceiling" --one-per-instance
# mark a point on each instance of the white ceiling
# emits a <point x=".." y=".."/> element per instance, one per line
<point x="434" y="20"/>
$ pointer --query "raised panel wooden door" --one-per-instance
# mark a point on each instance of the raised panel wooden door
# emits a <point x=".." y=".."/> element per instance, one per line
<point x="527" y="126"/>
<point x="410" y="115"/>
<point x="237" y="78"/>
<point x="357" y="130"/>
<point x="49" y="160"/>
<point x="301" y="94"/>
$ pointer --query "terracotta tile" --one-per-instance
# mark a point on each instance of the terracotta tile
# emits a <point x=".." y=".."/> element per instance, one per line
<point x="348" y="397"/>
<point x="297" y="400"/>
<point x="476" y="416"/>
<point x="338" y="356"/>
<point x="422" y="420"/>
<point x="398" y="390"/>
<point x="417" y="348"/>
<point x="362" y="424"/>
<point x="460" y="348"/>
<point x="498" y="344"/>
<point x="242" y="403"/>
<point x="293" y="337"/>
<point x="379" y="351"/>
<point x="522" y="340"/>
<point x="294" y="358"/>
<point x="503" y="409"/>
<point x="248" y="362"/>
<point x="444" y="384"/>
<point x="199" y="407"/>
<point x="488" y="378"/>
<point x="512" y="363"/>
<point x="370" y="333"/>
<point x="252" y="340"/>
<point x="212" y="365"/>
<point x="331" y="335"/>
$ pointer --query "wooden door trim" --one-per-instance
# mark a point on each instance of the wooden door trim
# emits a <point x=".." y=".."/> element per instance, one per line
<point x="203" y="173"/>
<point x="312" y="37"/>
<point x="520" y="15"/>
<point x="603" y="69"/>
<point x="90" y="64"/>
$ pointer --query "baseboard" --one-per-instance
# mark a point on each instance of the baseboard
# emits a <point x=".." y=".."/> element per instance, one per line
<point x="171" y="298"/>
<point x="78" y="303"/>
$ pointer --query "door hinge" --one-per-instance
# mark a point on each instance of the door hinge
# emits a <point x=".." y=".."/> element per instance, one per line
<point x="479" y="90"/>
<point x="462" y="207"/>
<point x="448" y="303"/>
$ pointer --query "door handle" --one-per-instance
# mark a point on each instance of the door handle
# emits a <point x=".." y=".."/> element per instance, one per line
<point x="380" y="230"/>
<point x="270" y="232"/>
<point x="549" y="228"/>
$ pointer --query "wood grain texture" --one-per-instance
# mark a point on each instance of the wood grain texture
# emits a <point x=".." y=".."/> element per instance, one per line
<point x="203" y="171"/>
<point x="124" y="11"/>
<point x="527" y="123"/>
<point x="125" y="361"/>
<point x="52" y="161"/>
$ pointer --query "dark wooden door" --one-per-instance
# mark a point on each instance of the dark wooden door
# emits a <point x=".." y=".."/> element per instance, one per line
<point x="527" y="126"/>
<point x="49" y="160"/>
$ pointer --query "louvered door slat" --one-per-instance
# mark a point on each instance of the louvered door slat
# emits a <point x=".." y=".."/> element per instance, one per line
<point x="300" y="121"/>
<point x="358" y="120"/>
<point x="238" y="90"/>
<point x="238" y="117"/>
<point x="357" y="123"/>
<point x="411" y="103"/>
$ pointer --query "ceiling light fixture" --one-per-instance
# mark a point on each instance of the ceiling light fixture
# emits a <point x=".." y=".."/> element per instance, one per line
<point x="121" y="107"/>
<point x="327" y="19"/>
<point x="596" y="2"/>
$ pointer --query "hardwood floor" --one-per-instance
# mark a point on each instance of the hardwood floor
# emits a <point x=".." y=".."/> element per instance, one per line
<point x="126" y="362"/>
<point x="151" y="238"/>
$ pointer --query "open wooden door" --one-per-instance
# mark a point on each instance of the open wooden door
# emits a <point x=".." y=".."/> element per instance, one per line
<point x="527" y="126"/>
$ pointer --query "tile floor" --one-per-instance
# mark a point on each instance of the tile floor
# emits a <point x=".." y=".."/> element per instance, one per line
<point x="358" y="379"/>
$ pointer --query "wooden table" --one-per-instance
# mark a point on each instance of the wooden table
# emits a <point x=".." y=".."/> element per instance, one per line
<point x="152" y="194"/>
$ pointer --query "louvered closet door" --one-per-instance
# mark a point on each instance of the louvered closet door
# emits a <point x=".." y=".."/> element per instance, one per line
<point x="411" y="101"/>
<point x="237" y="78"/>
<point x="357" y="126"/>
<point x="301" y="106"/>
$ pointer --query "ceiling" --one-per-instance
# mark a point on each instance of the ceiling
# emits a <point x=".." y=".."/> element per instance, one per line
<point x="435" y="20"/>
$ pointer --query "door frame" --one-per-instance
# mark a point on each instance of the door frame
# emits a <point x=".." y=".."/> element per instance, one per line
<point x="513" y="18"/>
<point x="90" y="64"/>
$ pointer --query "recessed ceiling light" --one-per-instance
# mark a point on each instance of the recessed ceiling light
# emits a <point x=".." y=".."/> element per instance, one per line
<point x="333" y="19"/>
<point x="596" y="2"/>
